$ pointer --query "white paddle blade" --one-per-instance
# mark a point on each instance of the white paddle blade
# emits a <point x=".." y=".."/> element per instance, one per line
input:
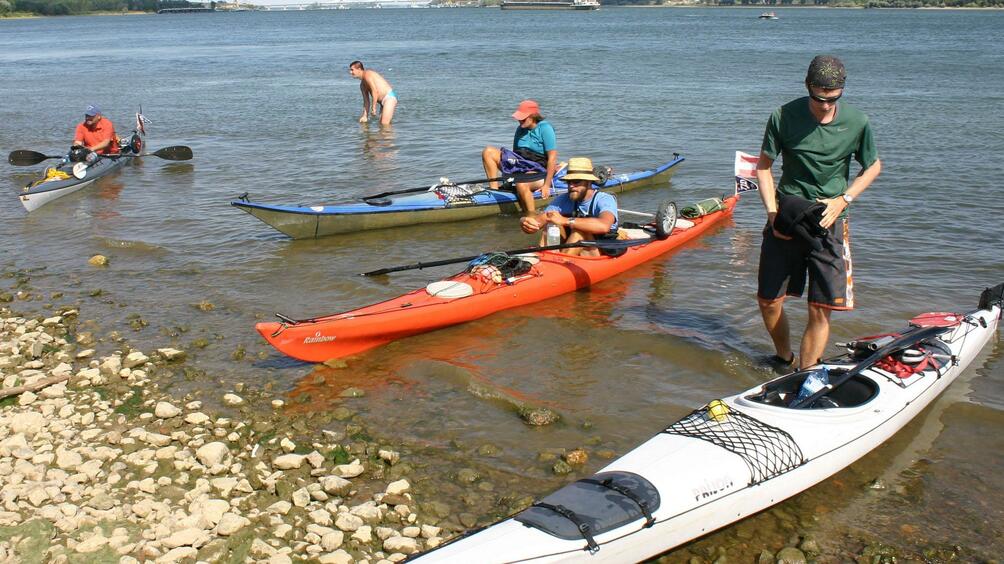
<point x="80" y="171"/>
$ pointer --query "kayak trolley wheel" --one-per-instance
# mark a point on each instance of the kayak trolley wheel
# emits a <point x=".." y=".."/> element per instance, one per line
<point x="603" y="173"/>
<point x="665" y="220"/>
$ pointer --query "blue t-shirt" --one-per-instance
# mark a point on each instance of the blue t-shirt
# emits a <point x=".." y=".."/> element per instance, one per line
<point x="599" y="203"/>
<point x="540" y="139"/>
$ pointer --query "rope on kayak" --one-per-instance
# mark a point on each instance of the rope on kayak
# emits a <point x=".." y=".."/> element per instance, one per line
<point x="51" y="173"/>
<point x="767" y="450"/>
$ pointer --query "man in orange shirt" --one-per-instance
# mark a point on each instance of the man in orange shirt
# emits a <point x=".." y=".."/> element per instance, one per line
<point x="96" y="133"/>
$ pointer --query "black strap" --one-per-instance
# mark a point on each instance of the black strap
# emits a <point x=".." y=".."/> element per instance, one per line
<point x="531" y="155"/>
<point x="609" y="484"/>
<point x="584" y="529"/>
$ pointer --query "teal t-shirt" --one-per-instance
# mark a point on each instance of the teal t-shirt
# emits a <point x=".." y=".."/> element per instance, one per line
<point x="816" y="158"/>
<point x="540" y="139"/>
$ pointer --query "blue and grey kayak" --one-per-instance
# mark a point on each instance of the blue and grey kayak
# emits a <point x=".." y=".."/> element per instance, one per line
<point x="441" y="203"/>
<point x="743" y="453"/>
<point x="60" y="180"/>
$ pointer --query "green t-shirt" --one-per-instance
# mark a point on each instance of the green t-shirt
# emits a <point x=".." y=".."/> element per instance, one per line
<point x="816" y="158"/>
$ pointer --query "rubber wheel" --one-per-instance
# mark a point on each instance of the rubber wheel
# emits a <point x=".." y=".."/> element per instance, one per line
<point x="665" y="220"/>
<point x="603" y="173"/>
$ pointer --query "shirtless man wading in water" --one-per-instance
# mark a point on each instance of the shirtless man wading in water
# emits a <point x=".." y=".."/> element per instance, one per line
<point x="376" y="90"/>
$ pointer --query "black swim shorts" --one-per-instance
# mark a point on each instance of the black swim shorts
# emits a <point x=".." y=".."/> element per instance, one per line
<point x="784" y="265"/>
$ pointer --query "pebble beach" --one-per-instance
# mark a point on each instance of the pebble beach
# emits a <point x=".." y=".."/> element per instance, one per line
<point x="96" y="461"/>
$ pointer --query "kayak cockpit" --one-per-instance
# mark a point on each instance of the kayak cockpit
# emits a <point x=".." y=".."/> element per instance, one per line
<point x="859" y="390"/>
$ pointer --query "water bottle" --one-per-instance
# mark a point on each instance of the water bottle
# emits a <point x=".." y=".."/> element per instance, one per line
<point x="553" y="234"/>
<point x="813" y="383"/>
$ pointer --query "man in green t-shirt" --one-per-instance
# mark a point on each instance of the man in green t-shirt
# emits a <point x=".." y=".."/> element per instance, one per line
<point x="815" y="136"/>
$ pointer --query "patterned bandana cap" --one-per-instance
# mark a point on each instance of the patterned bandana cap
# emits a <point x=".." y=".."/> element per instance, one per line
<point x="826" y="72"/>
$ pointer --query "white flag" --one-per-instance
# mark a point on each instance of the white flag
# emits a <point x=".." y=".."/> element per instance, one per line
<point x="746" y="172"/>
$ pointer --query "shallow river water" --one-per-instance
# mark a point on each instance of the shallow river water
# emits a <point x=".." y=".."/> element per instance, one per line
<point x="266" y="103"/>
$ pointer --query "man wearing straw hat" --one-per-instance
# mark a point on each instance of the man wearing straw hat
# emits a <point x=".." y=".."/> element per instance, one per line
<point x="582" y="214"/>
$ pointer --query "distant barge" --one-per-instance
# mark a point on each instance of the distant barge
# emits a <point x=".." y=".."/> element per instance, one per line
<point x="549" y="5"/>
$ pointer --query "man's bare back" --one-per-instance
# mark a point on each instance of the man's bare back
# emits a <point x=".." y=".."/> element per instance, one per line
<point x="375" y="90"/>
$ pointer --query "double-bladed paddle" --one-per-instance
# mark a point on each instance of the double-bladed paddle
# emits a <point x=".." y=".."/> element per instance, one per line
<point x="24" y="157"/>
<point x="504" y="179"/>
<point x="613" y="244"/>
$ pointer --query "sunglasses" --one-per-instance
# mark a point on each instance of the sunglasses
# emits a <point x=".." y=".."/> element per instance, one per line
<point x="824" y="100"/>
<point x="579" y="182"/>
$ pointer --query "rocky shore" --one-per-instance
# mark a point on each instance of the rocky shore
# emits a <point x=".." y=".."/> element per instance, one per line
<point x="102" y="458"/>
<point x="95" y="460"/>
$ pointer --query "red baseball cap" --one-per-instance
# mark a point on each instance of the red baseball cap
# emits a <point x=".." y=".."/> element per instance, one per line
<point x="526" y="108"/>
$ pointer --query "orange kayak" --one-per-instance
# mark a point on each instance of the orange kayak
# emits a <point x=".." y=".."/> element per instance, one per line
<point x="466" y="297"/>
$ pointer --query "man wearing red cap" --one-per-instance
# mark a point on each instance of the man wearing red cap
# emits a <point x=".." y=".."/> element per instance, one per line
<point x="534" y="152"/>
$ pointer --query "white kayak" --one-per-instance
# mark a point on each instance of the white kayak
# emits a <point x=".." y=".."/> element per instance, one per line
<point x="739" y="455"/>
<point x="68" y="177"/>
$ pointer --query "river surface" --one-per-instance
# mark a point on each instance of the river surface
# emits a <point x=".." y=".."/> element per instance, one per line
<point x="267" y="104"/>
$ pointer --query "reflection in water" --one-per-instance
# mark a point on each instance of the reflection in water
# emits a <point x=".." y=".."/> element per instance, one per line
<point x="110" y="189"/>
<point x="378" y="143"/>
<point x="177" y="169"/>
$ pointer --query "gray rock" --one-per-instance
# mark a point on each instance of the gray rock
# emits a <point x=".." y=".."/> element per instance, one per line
<point x="165" y="410"/>
<point x="332" y="541"/>
<point x="404" y="545"/>
<point x="177" y="555"/>
<point x="288" y="461"/>
<point x="337" y="557"/>
<point x="187" y="537"/>
<point x="231" y="523"/>
<point x="212" y="454"/>
<point x="134" y="359"/>
<point x="398" y="488"/>
<point x="790" y="555"/>
<point x="29" y="423"/>
<point x="347" y="522"/>
<point x="335" y="485"/>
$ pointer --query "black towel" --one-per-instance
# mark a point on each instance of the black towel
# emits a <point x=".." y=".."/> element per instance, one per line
<point x="798" y="217"/>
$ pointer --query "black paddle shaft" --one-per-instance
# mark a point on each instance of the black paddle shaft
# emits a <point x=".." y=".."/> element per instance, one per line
<point x="908" y="339"/>
<point x="504" y="179"/>
<point x="615" y="244"/>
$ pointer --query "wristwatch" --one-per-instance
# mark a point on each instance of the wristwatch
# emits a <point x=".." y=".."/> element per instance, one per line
<point x="847" y="198"/>
<point x="571" y="223"/>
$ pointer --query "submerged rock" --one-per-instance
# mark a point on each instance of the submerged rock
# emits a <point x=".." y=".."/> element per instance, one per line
<point x="538" y="416"/>
<point x="790" y="555"/>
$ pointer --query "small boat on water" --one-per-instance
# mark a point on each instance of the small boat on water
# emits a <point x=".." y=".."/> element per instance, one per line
<point x="482" y="289"/>
<point x="549" y="5"/>
<point x="442" y="202"/>
<point x="768" y="16"/>
<point x="741" y="454"/>
<point x="68" y="177"/>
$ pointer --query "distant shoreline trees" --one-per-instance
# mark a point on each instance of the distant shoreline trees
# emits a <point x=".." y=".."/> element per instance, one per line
<point x="77" y="7"/>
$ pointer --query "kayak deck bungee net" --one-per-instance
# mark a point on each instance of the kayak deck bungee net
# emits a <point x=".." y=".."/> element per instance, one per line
<point x="467" y="296"/>
<point x="443" y="203"/>
<point x="739" y="455"/>
<point x="60" y="181"/>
